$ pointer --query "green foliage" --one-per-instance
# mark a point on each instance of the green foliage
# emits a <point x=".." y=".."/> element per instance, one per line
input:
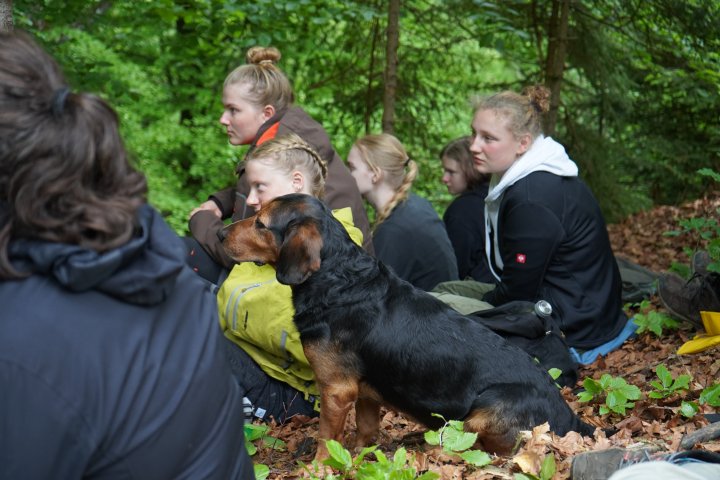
<point x="454" y="440"/>
<point x="704" y="230"/>
<point x="547" y="470"/>
<point x="613" y="393"/>
<point x="637" y="74"/>
<point x="711" y="395"/>
<point x="340" y="459"/>
<point x="667" y="385"/>
<point x="650" y="320"/>
<point x="255" y="432"/>
<point x="688" y="409"/>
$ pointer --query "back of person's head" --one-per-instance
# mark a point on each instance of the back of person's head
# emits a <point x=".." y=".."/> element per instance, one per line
<point x="386" y="156"/>
<point x="265" y="83"/>
<point x="64" y="173"/>
<point x="523" y="112"/>
<point x="288" y="153"/>
<point x="459" y="150"/>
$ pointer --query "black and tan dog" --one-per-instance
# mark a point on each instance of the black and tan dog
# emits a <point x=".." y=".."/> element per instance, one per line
<point x="373" y="339"/>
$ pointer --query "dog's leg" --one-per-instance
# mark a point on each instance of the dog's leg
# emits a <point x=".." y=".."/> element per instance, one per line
<point x="494" y="432"/>
<point x="336" y="400"/>
<point x="338" y="392"/>
<point x="367" y="418"/>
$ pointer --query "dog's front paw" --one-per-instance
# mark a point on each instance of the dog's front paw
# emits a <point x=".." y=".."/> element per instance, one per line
<point x="315" y="470"/>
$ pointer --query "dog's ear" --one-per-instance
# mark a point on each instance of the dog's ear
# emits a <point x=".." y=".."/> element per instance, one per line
<point x="300" y="253"/>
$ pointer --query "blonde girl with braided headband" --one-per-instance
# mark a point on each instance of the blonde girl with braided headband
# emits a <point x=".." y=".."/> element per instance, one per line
<point x="408" y="235"/>
<point x="256" y="312"/>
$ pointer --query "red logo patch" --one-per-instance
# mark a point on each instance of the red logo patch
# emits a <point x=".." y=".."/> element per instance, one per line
<point x="520" y="258"/>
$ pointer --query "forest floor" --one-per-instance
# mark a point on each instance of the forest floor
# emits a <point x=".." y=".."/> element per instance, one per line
<point x="651" y="422"/>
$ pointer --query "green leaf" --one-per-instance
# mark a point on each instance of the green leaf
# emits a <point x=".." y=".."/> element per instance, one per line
<point x="250" y="447"/>
<point x="400" y="457"/>
<point x="711" y="395"/>
<point x="458" y="441"/>
<point x="664" y="375"/>
<point x="274" y="443"/>
<point x="585" y="396"/>
<point x="255" y="432"/>
<point x="340" y="458"/>
<point x="682" y="382"/>
<point x="555" y="373"/>
<point x="591" y="386"/>
<point x="432" y="437"/>
<point x="361" y="456"/>
<point x="381" y="458"/>
<point x="547" y="470"/>
<point x="261" y="471"/>
<point x="477" y="458"/>
<point x="688" y="409"/>
<point x="631" y="392"/>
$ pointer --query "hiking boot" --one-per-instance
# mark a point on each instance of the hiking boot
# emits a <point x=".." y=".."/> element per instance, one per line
<point x="601" y="464"/>
<point x="685" y="299"/>
<point x="699" y="263"/>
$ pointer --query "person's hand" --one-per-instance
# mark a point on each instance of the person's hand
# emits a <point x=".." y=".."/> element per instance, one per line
<point x="208" y="205"/>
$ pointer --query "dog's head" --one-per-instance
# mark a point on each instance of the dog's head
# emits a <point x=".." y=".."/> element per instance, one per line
<point x="285" y="234"/>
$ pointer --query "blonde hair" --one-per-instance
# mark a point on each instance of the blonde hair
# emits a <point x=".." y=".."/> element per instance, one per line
<point x="267" y="84"/>
<point x="288" y="153"/>
<point x="523" y="111"/>
<point x="385" y="152"/>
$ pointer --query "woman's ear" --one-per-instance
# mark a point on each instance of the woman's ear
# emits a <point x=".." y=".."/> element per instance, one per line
<point x="524" y="144"/>
<point x="268" y="112"/>
<point x="298" y="180"/>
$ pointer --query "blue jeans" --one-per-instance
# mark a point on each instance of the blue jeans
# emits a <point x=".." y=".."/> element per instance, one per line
<point x="588" y="356"/>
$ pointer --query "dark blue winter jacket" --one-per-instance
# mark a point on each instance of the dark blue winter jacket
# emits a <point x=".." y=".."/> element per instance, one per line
<point x="111" y="366"/>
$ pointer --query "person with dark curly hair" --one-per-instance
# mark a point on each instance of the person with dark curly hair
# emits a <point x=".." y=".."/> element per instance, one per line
<point x="111" y="364"/>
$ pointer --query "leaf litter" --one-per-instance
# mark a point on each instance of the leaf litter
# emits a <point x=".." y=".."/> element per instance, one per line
<point x="655" y="423"/>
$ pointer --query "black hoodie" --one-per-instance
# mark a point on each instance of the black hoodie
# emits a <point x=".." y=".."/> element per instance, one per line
<point x="111" y="366"/>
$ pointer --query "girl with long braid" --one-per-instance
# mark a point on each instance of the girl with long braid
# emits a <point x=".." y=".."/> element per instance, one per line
<point x="408" y="235"/>
<point x="256" y="312"/>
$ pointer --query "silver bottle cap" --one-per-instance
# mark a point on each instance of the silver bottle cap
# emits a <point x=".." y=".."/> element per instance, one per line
<point x="543" y="308"/>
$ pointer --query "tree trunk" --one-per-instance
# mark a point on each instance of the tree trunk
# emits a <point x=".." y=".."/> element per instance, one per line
<point x="370" y="74"/>
<point x="6" y="17"/>
<point x="393" y="40"/>
<point x="555" y="62"/>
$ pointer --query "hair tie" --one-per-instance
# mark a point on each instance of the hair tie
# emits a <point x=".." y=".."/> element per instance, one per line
<point x="58" y="100"/>
<point x="265" y="62"/>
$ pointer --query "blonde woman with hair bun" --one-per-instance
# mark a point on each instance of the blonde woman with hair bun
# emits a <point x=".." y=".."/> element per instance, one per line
<point x="546" y="238"/>
<point x="258" y="106"/>
<point x="408" y="234"/>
